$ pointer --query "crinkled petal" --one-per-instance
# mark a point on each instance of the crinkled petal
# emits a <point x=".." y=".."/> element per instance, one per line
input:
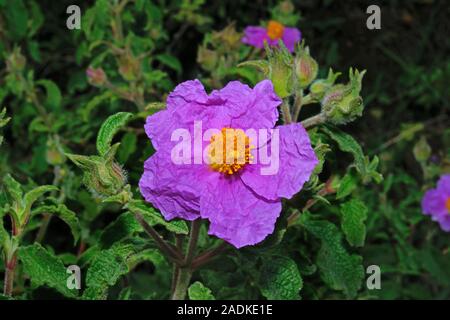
<point x="260" y="111"/>
<point x="174" y="189"/>
<point x="444" y="185"/>
<point x="297" y="161"/>
<point x="236" y="214"/>
<point x="444" y="223"/>
<point x="433" y="203"/>
<point x="236" y="105"/>
<point x="255" y="36"/>
<point x="291" y="36"/>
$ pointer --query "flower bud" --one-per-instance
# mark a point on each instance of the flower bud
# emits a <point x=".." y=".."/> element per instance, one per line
<point x="207" y="58"/>
<point x="280" y="69"/>
<point x="306" y="67"/>
<point x="96" y="77"/>
<point x="16" y="61"/>
<point x="320" y="86"/>
<point x="102" y="175"/>
<point x="342" y="103"/>
<point x="129" y="67"/>
<point x="228" y="37"/>
<point x="422" y="150"/>
<point x="55" y="154"/>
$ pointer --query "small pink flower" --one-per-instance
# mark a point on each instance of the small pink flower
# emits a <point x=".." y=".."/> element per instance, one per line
<point x="275" y="31"/>
<point x="436" y="202"/>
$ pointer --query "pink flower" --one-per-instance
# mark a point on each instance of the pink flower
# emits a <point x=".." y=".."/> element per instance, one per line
<point x="241" y="204"/>
<point x="275" y="31"/>
<point x="436" y="202"/>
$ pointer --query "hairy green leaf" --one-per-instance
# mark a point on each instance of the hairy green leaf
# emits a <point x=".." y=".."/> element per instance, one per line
<point x="44" y="268"/>
<point x="13" y="189"/>
<point x="170" y="61"/>
<point x="31" y="196"/>
<point x="280" y="278"/>
<point x="353" y="215"/>
<point x="54" y="97"/>
<point x="348" y="144"/>
<point x="124" y="226"/>
<point x="339" y="269"/>
<point x="109" y="128"/>
<point x="197" y="291"/>
<point x="346" y="186"/>
<point x="153" y="217"/>
<point x="65" y="214"/>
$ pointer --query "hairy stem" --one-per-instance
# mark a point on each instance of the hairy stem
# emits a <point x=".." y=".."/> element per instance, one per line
<point x="313" y="121"/>
<point x="182" y="284"/>
<point x="184" y="273"/>
<point x="9" y="276"/>
<point x="207" y="256"/>
<point x="192" y="244"/>
<point x="286" y="113"/>
<point x="176" y="267"/>
<point x="165" y="248"/>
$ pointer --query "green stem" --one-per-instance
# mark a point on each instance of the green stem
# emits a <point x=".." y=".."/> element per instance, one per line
<point x="9" y="276"/>
<point x="182" y="284"/>
<point x="170" y="252"/>
<point x="184" y="273"/>
<point x="286" y="113"/>
<point x="313" y="121"/>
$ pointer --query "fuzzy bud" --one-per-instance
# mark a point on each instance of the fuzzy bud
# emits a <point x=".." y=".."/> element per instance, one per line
<point x="306" y="67"/>
<point x="343" y="103"/>
<point x="96" y="77"/>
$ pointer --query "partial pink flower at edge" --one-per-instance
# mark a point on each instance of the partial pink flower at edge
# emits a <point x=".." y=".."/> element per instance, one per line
<point x="436" y="202"/>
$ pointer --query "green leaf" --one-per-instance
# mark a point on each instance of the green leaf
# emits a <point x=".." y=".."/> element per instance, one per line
<point x="109" y="128"/>
<point x="353" y="215"/>
<point x="44" y="268"/>
<point x="346" y="186"/>
<point x="339" y="269"/>
<point x="153" y="217"/>
<point x="170" y="61"/>
<point x="3" y="120"/>
<point x="16" y="15"/>
<point x="65" y="214"/>
<point x="54" y="97"/>
<point x="106" y="268"/>
<point x="280" y="279"/>
<point x="197" y="291"/>
<point x="13" y="188"/>
<point x="124" y="226"/>
<point x="31" y="196"/>
<point x="4" y="236"/>
<point x="347" y="144"/>
<point x="128" y="146"/>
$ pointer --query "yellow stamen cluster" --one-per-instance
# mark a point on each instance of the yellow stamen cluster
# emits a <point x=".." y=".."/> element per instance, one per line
<point x="230" y="151"/>
<point x="447" y="205"/>
<point x="275" y="30"/>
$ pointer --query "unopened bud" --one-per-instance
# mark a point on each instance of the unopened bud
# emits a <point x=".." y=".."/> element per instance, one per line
<point x="342" y="103"/>
<point x="320" y="86"/>
<point x="422" y="150"/>
<point x="306" y="67"/>
<point x="207" y="58"/>
<point x="129" y="67"/>
<point x="96" y="77"/>
<point x="16" y="61"/>
<point x="102" y="175"/>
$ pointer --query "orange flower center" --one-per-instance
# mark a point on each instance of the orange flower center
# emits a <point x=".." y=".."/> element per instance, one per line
<point x="275" y="30"/>
<point x="447" y="204"/>
<point x="229" y="151"/>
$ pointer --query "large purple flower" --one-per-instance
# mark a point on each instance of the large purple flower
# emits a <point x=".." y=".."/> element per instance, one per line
<point x="436" y="202"/>
<point x="275" y="31"/>
<point x="241" y="203"/>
